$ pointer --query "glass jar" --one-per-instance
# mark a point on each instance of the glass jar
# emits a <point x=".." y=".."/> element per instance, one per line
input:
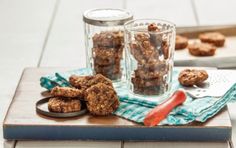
<point x="104" y="41"/>
<point x="150" y="47"/>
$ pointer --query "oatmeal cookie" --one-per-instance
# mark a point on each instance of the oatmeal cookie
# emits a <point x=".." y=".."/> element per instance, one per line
<point x="181" y="42"/>
<point x="139" y="82"/>
<point x="144" y="74"/>
<point x="165" y="49"/>
<point x="66" y="92"/>
<point x="84" y="82"/>
<point x="108" y="39"/>
<point x="61" y="105"/>
<point x="140" y="37"/>
<point x="155" y="37"/>
<point x="153" y="65"/>
<point x="114" y="68"/>
<point x="190" y="77"/>
<point x="201" y="49"/>
<point x="214" y="38"/>
<point x="153" y="27"/>
<point x="143" y="51"/>
<point x="101" y="99"/>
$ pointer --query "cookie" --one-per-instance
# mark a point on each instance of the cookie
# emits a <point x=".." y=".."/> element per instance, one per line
<point x="139" y="82"/>
<point x="143" y="51"/>
<point x="109" y="69"/>
<point x="201" y="49"/>
<point x="153" y="27"/>
<point x="108" y="39"/>
<point x="144" y="74"/>
<point x="101" y="99"/>
<point x="214" y="38"/>
<point x="190" y="77"/>
<point x="84" y="82"/>
<point x="66" y="92"/>
<point x="155" y="37"/>
<point x="154" y="65"/>
<point x="165" y="49"/>
<point x="181" y="42"/>
<point x="136" y="52"/>
<point x="61" y="105"/>
<point x="140" y="37"/>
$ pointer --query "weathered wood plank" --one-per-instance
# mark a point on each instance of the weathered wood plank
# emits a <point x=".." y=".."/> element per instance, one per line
<point x="7" y="144"/>
<point x="70" y="144"/>
<point x="176" y="145"/>
<point x="23" y="28"/>
<point x="65" y="46"/>
<point x="215" y="12"/>
<point x="179" y="12"/>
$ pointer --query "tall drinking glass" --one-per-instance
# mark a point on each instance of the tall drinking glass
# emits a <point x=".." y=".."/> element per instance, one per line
<point x="149" y="45"/>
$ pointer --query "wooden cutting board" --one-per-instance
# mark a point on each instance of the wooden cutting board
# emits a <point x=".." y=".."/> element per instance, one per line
<point x="23" y="123"/>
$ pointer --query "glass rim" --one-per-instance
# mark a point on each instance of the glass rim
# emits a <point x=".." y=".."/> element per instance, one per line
<point x="104" y="22"/>
<point x="149" y="19"/>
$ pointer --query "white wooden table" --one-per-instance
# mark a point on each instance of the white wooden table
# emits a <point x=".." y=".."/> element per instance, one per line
<point x="50" y="33"/>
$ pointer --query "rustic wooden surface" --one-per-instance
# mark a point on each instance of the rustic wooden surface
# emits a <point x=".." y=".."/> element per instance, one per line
<point x="22" y="109"/>
<point x="34" y="28"/>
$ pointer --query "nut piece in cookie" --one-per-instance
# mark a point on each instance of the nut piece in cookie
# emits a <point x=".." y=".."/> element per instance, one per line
<point x="201" y="49"/>
<point x="214" y="38"/>
<point x="66" y="92"/>
<point x="190" y="77"/>
<point x="61" y="105"/>
<point x="181" y="42"/>
<point x="84" y="82"/>
<point x="101" y="99"/>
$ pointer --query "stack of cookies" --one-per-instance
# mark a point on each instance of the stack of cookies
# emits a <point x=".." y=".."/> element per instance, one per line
<point x="149" y="77"/>
<point x="107" y="53"/>
<point x="97" y="91"/>
<point x="65" y="100"/>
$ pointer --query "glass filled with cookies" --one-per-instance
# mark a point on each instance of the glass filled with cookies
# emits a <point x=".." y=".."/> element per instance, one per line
<point x="104" y="41"/>
<point x="149" y="45"/>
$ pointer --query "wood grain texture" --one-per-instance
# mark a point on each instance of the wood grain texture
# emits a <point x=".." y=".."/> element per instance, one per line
<point x="7" y="144"/>
<point x="215" y="12"/>
<point x="69" y="144"/>
<point x="176" y="145"/>
<point x="179" y="12"/>
<point x="22" y="115"/>
<point x="66" y="45"/>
